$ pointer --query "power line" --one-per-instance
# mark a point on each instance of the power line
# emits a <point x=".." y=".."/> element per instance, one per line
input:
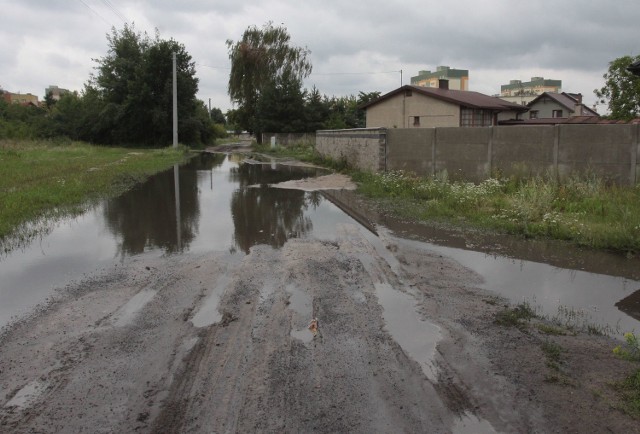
<point x="93" y="10"/>
<point x="213" y="67"/>
<point x="115" y="11"/>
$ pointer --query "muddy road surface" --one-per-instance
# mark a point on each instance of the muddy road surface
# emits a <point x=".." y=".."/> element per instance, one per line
<point x="218" y="342"/>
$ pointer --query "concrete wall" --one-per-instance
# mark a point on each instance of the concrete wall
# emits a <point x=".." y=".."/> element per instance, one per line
<point x="290" y="139"/>
<point x="473" y="154"/>
<point x="605" y="150"/>
<point x="363" y="148"/>
<point x="399" y="111"/>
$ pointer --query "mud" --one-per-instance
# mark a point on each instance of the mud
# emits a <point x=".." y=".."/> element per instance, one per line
<point x="215" y="339"/>
<point x="143" y="348"/>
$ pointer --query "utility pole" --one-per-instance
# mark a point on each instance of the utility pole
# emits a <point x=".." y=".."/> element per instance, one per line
<point x="175" y="103"/>
<point x="401" y="78"/>
<point x="209" y="108"/>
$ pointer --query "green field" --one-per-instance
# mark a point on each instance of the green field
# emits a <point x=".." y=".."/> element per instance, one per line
<point x="41" y="181"/>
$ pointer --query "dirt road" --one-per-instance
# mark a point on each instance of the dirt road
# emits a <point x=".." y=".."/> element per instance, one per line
<point x="218" y="342"/>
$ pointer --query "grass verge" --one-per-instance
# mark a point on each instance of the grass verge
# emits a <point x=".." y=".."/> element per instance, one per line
<point x="42" y="181"/>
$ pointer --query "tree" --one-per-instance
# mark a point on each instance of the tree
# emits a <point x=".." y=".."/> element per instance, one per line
<point x="259" y="59"/>
<point x="280" y="108"/>
<point x="316" y="111"/>
<point x="217" y="116"/>
<point x="621" y="90"/>
<point x="134" y="80"/>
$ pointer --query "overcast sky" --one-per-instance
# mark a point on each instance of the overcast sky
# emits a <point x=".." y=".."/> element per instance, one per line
<point x="355" y="45"/>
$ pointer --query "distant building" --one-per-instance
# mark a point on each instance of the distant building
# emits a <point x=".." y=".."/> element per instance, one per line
<point x="523" y="93"/>
<point x="556" y="108"/>
<point x="558" y="105"/>
<point x="56" y="92"/>
<point x="425" y="107"/>
<point x="21" y="98"/>
<point x="458" y="78"/>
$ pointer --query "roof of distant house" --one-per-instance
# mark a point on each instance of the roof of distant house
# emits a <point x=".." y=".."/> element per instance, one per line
<point x="569" y="120"/>
<point x="567" y="100"/>
<point x="460" y="97"/>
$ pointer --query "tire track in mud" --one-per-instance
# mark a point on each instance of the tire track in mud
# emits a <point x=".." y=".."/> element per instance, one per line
<point x="254" y="376"/>
<point x="144" y="366"/>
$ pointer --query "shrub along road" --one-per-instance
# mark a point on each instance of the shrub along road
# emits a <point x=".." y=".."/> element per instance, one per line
<point x="218" y="342"/>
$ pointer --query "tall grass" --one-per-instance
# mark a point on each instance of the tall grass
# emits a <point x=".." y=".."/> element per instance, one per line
<point x="42" y="180"/>
<point x="583" y="210"/>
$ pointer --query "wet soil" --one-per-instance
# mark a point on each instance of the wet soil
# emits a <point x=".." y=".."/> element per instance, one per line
<point x="219" y="342"/>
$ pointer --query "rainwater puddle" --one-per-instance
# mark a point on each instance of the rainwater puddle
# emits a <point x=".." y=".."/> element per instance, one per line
<point x="207" y="205"/>
<point x="202" y="206"/>
<point x="29" y="393"/>
<point x="301" y="303"/>
<point x="208" y="313"/>
<point x="417" y="338"/>
<point x="571" y="295"/>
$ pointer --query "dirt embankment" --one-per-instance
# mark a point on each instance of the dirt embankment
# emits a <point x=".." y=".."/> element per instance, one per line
<point x="219" y="342"/>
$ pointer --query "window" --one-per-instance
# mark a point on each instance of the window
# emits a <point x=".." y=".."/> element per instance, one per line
<point x="475" y="117"/>
<point x="556" y="114"/>
<point x="533" y="114"/>
<point x="416" y="121"/>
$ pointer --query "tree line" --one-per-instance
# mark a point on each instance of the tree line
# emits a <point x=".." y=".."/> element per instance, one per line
<point x="128" y="100"/>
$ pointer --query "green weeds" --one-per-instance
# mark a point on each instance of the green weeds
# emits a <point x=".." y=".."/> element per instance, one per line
<point x="629" y="390"/>
<point x="585" y="211"/>
<point x="630" y="350"/>
<point x="42" y="181"/>
<point x="516" y="316"/>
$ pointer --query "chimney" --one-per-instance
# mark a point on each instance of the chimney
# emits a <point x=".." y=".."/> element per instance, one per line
<point x="577" y="109"/>
<point x="443" y="83"/>
<point x="578" y="97"/>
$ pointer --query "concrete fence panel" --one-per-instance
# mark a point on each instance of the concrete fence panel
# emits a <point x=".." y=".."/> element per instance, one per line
<point x="609" y="151"/>
<point x="463" y="153"/>
<point x="362" y="148"/>
<point x="603" y="150"/>
<point x="411" y="149"/>
<point x="523" y="151"/>
<point x="290" y="139"/>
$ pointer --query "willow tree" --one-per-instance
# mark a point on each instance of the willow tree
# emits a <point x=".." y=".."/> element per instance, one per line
<point x="263" y="56"/>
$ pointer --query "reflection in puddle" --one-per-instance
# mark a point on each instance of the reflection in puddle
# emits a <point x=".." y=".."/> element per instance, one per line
<point x="417" y="337"/>
<point x="206" y="206"/>
<point x="301" y="303"/>
<point x="203" y="206"/>
<point x="550" y="288"/>
<point x="208" y="313"/>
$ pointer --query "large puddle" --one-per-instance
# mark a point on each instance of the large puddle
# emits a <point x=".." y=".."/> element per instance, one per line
<point x="217" y="203"/>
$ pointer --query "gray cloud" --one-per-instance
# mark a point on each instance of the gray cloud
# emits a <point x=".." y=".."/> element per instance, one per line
<point x="500" y="40"/>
